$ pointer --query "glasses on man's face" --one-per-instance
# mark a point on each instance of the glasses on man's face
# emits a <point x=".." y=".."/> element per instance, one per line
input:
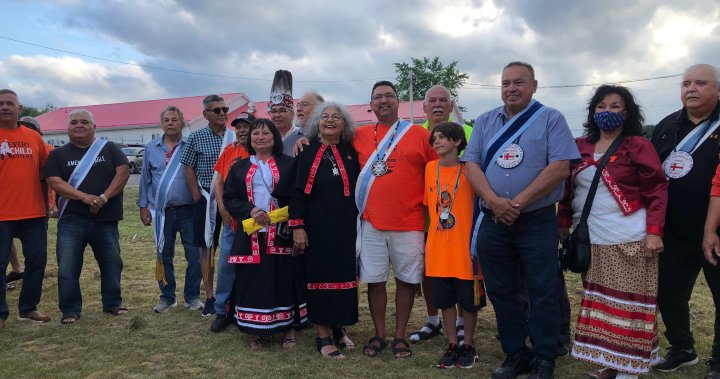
<point x="278" y="110"/>
<point x="386" y="96"/>
<point x="218" y="110"/>
<point x="334" y="117"/>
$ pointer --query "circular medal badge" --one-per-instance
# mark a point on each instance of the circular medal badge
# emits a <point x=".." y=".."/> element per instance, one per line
<point x="678" y="164"/>
<point x="379" y="168"/>
<point x="276" y="99"/>
<point x="448" y="223"/>
<point x="511" y="157"/>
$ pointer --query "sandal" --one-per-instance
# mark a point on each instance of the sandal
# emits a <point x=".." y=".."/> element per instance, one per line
<point x="603" y="373"/>
<point x="422" y="335"/>
<point x="116" y="311"/>
<point x="289" y="342"/>
<point x="342" y="341"/>
<point x="374" y="347"/>
<point x="258" y="343"/>
<point x="460" y="334"/>
<point x="69" y="318"/>
<point x="401" y="352"/>
<point x="327" y="341"/>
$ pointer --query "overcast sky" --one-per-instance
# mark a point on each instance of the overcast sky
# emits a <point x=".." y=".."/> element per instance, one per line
<point x="340" y="48"/>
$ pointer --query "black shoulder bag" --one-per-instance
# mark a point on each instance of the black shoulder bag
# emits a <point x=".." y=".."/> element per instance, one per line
<point x="575" y="250"/>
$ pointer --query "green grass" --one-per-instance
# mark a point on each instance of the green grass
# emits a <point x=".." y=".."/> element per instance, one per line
<point x="179" y="343"/>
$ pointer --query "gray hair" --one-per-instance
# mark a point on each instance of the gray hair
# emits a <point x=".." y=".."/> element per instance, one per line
<point x="316" y="95"/>
<point x="450" y="96"/>
<point x="172" y="108"/>
<point x="521" y="64"/>
<point x="79" y="111"/>
<point x="713" y="69"/>
<point x="313" y="131"/>
<point x="211" y="99"/>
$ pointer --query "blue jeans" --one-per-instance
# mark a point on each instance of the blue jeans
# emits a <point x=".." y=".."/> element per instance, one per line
<point x="225" y="271"/>
<point x="33" y="236"/>
<point x="74" y="233"/>
<point x="180" y="219"/>
<point x="531" y="245"/>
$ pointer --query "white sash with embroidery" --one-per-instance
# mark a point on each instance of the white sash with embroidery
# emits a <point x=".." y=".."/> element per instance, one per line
<point x="81" y="170"/>
<point x="172" y="168"/>
<point x="211" y="206"/>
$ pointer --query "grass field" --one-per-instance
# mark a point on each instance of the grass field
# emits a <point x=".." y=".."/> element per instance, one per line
<point x="179" y="343"/>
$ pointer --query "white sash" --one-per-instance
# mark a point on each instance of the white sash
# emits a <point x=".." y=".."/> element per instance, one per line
<point x="211" y="206"/>
<point x="81" y="170"/>
<point x="172" y="168"/>
<point x="693" y="134"/>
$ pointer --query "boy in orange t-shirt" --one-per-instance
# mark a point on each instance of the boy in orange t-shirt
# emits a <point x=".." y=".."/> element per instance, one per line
<point x="449" y="198"/>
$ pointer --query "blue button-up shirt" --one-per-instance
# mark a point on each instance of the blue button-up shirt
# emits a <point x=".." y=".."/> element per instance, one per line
<point x="153" y="167"/>
<point x="547" y="140"/>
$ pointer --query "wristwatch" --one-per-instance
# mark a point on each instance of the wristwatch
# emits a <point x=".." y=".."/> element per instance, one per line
<point x="104" y="199"/>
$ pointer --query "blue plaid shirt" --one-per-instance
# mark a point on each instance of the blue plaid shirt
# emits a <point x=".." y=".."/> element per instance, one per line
<point x="201" y="152"/>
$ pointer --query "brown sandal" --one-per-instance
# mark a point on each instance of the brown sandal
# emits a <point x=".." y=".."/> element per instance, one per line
<point x="69" y="318"/>
<point x="258" y="343"/>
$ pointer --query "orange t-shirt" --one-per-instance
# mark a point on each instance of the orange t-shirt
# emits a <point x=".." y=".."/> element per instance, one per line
<point x="447" y="251"/>
<point x="715" y="189"/>
<point x="22" y="156"/>
<point x="395" y="201"/>
<point x="229" y="156"/>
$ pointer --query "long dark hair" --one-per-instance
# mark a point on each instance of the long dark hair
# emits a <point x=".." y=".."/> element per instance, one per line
<point x="277" y="149"/>
<point x="633" y="114"/>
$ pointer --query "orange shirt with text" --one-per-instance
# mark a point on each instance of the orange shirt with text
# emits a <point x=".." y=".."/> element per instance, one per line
<point x="22" y="155"/>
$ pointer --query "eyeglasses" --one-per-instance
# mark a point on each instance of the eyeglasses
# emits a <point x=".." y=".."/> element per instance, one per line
<point x="278" y="110"/>
<point x="218" y="110"/>
<point x="387" y="96"/>
<point x="334" y="117"/>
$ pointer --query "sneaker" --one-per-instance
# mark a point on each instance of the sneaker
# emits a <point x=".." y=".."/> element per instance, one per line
<point x="194" y="305"/>
<point x="563" y="348"/>
<point x="33" y="316"/>
<point x="467" y="357"/>
<point x="513" y="366"/>
<point x="713" y="369"/>
<point x="675" y="359"/>
<point x="13" y="276"/>
<point x="220" y="323"/>
<point x="209" y="308"/>
<point x="164" y="306"/>
<point x="449" y="359"/>
<point x="542" y="369"/>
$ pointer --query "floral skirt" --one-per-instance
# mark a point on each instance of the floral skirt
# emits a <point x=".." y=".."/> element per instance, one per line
<point x="617" y="322"/>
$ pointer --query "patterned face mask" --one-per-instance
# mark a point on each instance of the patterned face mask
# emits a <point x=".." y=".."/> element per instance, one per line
<point x="609" y="121"/>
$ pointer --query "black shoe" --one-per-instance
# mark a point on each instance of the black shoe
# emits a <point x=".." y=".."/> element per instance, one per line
<point x="13" y="276"/>
<point x="513" y="366"/>
<point x="209" y="308"/>
<point x="466" y="357"/>
<point x="220" y="323"/>
<point x="713" y="369"/>
<point x="675" y="359"/>
<point x="542" y="369"/>
<point x="450" y="357"/>
<point x="563" y="348"/>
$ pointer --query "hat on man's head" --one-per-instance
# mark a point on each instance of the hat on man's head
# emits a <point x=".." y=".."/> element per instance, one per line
<point x="30" y="122"/>
<point x="281" y="90"/>
<point x="243" y="117"/>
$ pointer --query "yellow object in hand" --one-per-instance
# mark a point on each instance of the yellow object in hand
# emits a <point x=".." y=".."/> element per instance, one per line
<point x="276" y="216"/>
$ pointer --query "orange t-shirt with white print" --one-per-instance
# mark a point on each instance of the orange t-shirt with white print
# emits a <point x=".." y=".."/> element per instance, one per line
<point x="227" y="159"/>
<point x="447" y="250"/>
<point x="395" y="201"/>
<point x="22" y="155"/>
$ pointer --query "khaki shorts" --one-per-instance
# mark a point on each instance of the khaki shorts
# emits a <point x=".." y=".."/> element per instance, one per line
<point x="405" y="250"/>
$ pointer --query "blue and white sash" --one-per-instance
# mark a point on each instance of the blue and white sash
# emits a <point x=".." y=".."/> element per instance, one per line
<point x="81" y="170"/>
<point x="697" y="136"/>
<point x="510" y="132"/>
<point x="366" y="178"/>
<point x="211" y="206"/>
<point x="172" y="168"/>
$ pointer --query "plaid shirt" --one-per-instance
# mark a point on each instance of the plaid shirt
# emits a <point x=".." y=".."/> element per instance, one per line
<point x="201" y="152"/>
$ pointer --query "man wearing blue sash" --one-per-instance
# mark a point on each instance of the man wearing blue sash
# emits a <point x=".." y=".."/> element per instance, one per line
<point x="199" y="157"/>
<point x="687" y="143"/>
<point x="166" y="203"/>
<point x="517" y="159"/>
<point x="88" y="175"/>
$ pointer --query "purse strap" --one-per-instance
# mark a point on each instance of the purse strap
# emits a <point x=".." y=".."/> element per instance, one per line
<point x="596" y="179"/>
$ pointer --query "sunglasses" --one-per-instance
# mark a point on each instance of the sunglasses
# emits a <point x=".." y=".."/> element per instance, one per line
<point x="218" y="110"/>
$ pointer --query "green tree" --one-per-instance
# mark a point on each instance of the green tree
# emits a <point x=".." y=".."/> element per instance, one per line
<point x="428" y="72"/>
<point x="29" y="110"/>
<point x="647" y="131"/>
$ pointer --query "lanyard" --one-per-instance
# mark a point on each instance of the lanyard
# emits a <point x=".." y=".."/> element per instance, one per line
<point x="439" y="190"/>
<point x="392" y="138"/>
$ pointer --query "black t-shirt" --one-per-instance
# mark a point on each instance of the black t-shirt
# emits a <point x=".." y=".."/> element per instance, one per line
<point x="689" y="196"/>
<point x="62" y="162"/>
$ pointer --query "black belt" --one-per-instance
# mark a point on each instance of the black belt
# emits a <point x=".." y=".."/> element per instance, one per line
<point x="524" y="215"/>
<point x="173" y="207"/>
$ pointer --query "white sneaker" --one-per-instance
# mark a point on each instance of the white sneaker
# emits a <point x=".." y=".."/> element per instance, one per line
<point x="194" y="305"/>
<point x="164" y="306"/>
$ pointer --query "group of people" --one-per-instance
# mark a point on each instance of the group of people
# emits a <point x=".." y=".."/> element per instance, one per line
<point x="305" y="205"/>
